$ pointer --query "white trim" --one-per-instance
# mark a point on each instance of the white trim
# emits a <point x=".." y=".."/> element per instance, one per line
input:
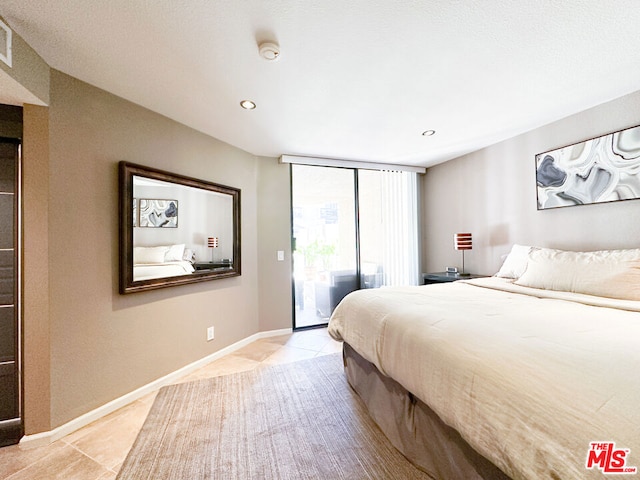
<point x="334" y="162"/>
<point x="45" y="438"/>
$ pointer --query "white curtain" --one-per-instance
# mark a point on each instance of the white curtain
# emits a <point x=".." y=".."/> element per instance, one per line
<point x="400" y="227"/>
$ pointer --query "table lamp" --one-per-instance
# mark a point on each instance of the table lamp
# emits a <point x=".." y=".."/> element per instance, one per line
<point x="212" y="243"/>
<point x="463" y="241"/>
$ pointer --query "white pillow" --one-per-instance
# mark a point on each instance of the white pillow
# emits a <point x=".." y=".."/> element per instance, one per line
<point x="515" y="263"/>
<point x="605" y="273"/>
<point x="174" y="253"/>
<point x="149" y="254"/>
<point x="189" y="255"/>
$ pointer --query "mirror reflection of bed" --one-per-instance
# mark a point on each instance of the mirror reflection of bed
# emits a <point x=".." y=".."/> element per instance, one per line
<point x="171" y="236"/>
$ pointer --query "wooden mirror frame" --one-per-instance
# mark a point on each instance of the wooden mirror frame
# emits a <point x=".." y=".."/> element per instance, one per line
<point x="126" y="195"/>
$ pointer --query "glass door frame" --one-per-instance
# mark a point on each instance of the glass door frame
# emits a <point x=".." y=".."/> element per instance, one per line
<point x="356" y="218"/>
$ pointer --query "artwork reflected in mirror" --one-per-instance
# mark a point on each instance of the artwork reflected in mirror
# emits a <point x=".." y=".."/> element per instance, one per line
<point x="175" y="229"/>
<point x="157" y="213"/>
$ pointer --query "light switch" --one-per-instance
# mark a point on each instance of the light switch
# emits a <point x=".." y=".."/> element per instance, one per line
<point x="281" y="255"/>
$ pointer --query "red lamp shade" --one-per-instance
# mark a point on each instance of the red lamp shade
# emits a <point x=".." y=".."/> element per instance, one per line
<point x="212" y="242"/>
<point x="463" y="241"/>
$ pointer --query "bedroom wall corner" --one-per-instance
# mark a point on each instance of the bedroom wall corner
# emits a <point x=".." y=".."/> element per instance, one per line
<point x="492" y="193"/>
<point x="274" y="233"/>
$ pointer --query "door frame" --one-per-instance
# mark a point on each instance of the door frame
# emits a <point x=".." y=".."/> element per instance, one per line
<point x="293" y="239"/>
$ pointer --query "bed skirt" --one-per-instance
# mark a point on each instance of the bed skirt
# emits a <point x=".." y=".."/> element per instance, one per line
<point x="413" y="428"/>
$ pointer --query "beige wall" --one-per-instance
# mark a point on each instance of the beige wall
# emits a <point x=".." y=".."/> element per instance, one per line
<point x="492" y="193"/>
<point x="274" y="233"/>
<point x="103" y="344"/>
<point x="35" y="254"/>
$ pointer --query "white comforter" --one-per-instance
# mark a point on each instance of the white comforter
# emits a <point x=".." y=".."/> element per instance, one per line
<point x="146" y="271"/>
<point x="528" y="377"/>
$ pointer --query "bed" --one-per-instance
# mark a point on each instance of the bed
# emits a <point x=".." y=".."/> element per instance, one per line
<point x="147" y="271"/>
<point x="512" y="376"/>
<point x="162" y="261"/>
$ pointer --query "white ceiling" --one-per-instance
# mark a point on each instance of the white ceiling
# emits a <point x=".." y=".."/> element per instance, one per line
<point x="357" y="79"/>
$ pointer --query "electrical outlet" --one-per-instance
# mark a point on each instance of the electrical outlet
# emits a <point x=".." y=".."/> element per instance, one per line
<point x="210" y="334"/>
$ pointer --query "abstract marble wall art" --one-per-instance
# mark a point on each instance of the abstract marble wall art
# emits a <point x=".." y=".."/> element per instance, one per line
<point x="603" y="169"/>
<point x="158" y="213"/>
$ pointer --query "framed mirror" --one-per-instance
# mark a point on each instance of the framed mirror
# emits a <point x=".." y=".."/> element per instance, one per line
<point x="175" y="230"/>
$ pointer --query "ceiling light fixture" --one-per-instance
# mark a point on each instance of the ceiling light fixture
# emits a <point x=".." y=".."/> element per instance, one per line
<point x="269" y="51"/>
<point x="247" y="104"/>
<point x="428" y="133"/>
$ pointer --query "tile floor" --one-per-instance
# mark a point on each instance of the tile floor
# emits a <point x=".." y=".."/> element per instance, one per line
<point x="97" y="451"/>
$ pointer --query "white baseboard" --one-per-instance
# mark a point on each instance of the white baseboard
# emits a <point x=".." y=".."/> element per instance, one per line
<point x="44" y="438"/>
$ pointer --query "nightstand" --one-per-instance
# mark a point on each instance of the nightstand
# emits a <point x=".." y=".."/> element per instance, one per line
<point x="211" y="265"/>
<point x="444" y="277"/>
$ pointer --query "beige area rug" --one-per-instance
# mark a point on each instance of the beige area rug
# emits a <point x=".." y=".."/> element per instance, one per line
<point x="293" y="421"/>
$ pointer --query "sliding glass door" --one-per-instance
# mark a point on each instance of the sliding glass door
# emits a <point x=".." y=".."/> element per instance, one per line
<point x="352" y="229"/>
<point x="324" y="241"/>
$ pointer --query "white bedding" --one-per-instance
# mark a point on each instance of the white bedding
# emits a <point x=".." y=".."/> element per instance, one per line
<point x="528" y="377"/>
<point x="146" y="271"/>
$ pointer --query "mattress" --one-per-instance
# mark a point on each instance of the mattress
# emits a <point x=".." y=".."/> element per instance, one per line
<point x="529" y="378"/>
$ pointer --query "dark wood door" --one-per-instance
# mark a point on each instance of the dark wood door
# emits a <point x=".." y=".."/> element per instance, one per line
<point x="11" y="425"/>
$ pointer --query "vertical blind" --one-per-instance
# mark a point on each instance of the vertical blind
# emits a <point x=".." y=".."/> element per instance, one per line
<point x="388" y="225"/>
<point x="400" y="232"/>
<point x="388" y="222"/>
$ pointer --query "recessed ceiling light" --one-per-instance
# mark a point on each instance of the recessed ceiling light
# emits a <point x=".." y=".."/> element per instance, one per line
<point x="428" y="133"/>
<point x="247" y="104"/>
